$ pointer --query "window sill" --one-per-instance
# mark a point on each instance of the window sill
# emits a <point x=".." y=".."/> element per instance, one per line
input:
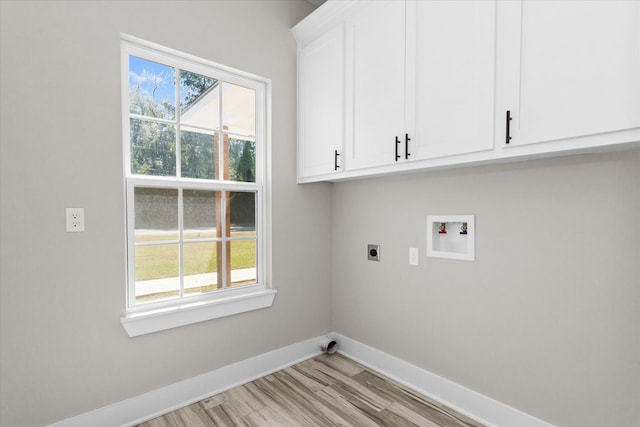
<point x="147" y="322"/>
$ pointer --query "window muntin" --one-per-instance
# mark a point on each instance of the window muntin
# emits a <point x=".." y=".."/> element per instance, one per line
<point x="194" y="186"/>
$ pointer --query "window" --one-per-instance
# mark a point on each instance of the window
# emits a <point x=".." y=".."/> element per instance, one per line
<point x="195" y="139"/>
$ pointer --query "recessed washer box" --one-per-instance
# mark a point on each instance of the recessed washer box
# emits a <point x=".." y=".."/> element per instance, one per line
<point x="451" y="236"/>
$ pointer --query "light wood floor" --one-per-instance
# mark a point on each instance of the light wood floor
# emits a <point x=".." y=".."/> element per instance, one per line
<point x="329" y="390"/>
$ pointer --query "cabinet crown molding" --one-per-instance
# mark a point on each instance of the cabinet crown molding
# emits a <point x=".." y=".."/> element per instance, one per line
<point x="330" y="14"/>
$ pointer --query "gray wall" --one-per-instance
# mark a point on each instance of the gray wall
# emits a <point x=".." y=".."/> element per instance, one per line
<point x="547" y="319"/>
<point x="63" y="350"/>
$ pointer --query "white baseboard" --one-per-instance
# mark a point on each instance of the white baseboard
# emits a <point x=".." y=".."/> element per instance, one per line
<point x="166" y="399"/>
<point x="468" y="402"/>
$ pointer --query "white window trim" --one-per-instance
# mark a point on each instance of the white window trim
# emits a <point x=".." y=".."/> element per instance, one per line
<point x="146" y="322"/>
<point x="142" y="319"/>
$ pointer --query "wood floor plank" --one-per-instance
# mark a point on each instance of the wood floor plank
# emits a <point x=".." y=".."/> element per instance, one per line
<point x="414" y="401"/>
<point x="394" y="419"/>
<point x="268" y="416"/>
<point x="304" y="398"/>
<point x="341" y="364"/>
<point x="405" y="413"/>
<point x="289" y="402"/>
<point x="213" y="401"/>
<point x="242" y="401"/>
<point x="308" y="382"/>
<point x="326" y="391"/>
<point x="308" y="368"/>
<point x="377" y="401"/>
<point x="345" y="409"/>
<point x="219" y="416"/>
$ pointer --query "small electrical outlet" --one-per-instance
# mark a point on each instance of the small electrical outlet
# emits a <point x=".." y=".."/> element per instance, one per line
<point x="373" y="252"/>
<point x="75" y="220"/>
<point x="414" y="256"/>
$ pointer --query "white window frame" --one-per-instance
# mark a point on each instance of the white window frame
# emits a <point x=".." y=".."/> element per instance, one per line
<point x="151" y="317"/>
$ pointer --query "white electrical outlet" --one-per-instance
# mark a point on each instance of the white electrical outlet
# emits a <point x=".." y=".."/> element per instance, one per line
<point x="414" y="257"/>
<point x="75" y="220"/>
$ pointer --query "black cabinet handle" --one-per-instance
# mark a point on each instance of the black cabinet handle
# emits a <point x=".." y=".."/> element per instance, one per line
<point x="335" y="160"/>
<point x="406" y="146"/>
<point x="508" y="134"/>
<point x="397" y="142"/>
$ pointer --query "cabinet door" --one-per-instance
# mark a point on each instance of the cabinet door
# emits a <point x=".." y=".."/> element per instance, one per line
<point x="454" y="77"/>
<point x="571" y="69"/>
<point x="375" y="83"/>
<point x="321" y="104"/>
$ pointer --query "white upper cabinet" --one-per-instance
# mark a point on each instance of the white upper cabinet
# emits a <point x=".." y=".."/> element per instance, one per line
<point x="453" y="43"/>
<point x="420" y="81"/>
<point x="570" y="69"/>
<point x="375" y="83"/>
<point x="321" y="104"/>
<point x="399" y="85"/>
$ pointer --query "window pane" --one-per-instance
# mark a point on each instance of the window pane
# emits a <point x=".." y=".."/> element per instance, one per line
<point x="197" y="152"/>
<point x="243" y="214"/>
<point x="152" y="90"/>
<point x="153" y="148"/>
<point x="238" y="109"/>
<point x="243" y="262"/>
<point x="199" y="100"/>
<point x="157" y="272"/>
<point x="156" y="214"/>
<point x="242" y="160"/>
<point x="200" y="267"/>
<point x="199" y="214"/>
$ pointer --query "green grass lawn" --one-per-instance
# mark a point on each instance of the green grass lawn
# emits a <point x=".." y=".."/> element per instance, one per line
<point x="161" y="261"/>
